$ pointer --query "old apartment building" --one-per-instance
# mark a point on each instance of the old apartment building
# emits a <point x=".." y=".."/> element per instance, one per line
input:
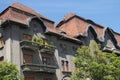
<point x="43" y="51"/>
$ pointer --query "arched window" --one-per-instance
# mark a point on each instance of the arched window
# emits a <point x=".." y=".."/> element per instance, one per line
<point x="65" y="65"/>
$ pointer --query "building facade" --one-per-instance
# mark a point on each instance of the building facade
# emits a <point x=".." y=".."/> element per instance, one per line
<point x="43" y="51"/>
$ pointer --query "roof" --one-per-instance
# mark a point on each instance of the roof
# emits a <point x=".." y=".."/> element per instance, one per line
<point x="20" y="13"/>
<point x="27" y="9"/>
<point x="73" y="25"/>
<point x="117" y="36"/>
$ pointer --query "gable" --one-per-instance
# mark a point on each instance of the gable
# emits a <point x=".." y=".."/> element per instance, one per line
<point x="109" y="43"/>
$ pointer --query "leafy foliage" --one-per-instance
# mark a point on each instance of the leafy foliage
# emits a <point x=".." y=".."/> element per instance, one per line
<point x="93" y="64"/>
<point x="39" y="40"/>
<point x="8" y="71"/>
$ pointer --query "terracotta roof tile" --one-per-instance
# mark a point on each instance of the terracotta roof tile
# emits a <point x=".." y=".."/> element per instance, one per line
<point x="71" y="24"/>
<point x="74" y="25"/>
<point x="14" y="15"/>
<point x="69" y="16"/>
<point x="99" y="30"/>
<point x="27" y="9"/>
<point x="117" y="36"/>
<point x="23" y="8"/>
<point x="20" y="13"/>
<point x="58" y="32"/>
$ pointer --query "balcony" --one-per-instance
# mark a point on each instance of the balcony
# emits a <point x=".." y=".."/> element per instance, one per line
<point x="47" y="49"/>
<point x="38" y="68"/>
<point x="29" y="44"/>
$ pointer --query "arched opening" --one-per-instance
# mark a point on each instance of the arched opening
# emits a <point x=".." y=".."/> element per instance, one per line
<point x="37" y="25"/>
<point x="109" y="37"/>
<point x="92" y="32"/>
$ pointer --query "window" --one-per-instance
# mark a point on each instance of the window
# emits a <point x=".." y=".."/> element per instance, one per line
<point x="27" y="58"/>
<point x="65" y="65"/>
<point x="1" y="42"/>
<point x="27" y="37"/>
<point x="46" y="60"/>
<point x="37" y="27"/>
<point x="29" y="78"/>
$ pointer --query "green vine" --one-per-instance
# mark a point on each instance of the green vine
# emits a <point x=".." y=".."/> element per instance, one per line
<point x="39" y="40"/>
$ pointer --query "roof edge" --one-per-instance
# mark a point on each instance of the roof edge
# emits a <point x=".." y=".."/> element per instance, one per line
<point x="73" y="16"/>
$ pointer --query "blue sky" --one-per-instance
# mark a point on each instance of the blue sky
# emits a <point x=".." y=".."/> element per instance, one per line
<point x="103" y="12"/>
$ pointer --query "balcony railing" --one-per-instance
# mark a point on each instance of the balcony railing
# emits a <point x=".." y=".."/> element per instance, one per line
<point x="29" y="44"/>
<point x="34" y="45"/>
<point x="48" y="49"/>
<point x="39" y="68"/>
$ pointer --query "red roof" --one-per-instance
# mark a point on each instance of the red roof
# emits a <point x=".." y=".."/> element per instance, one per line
<point x="27" y="9"/>
<point x="117" y="36"/>
<point x="19" y="13"/>
<point x="74" y="25"/>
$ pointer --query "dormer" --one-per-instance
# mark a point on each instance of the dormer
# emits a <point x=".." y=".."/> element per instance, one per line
<point x="110" y="42"/>
<point x="37" y="25"/>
